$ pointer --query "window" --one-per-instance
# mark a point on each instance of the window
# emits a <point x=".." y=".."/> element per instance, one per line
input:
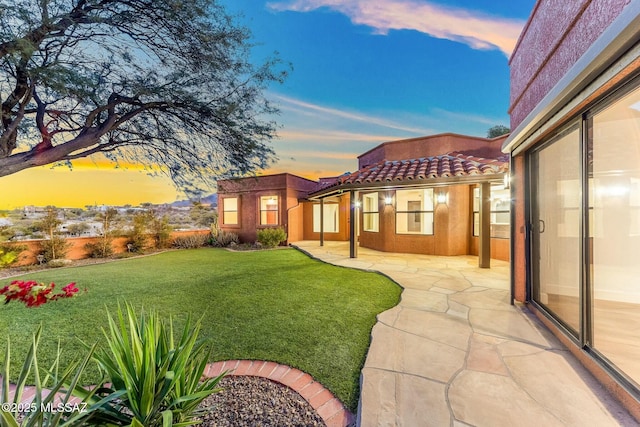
<point x="414" y="211"/>
<point x="330" y="217"/>
<point x="269" y="210"/>
<point x="230" y="211"/>
<point x="500" y="217"/>
<point x="370" y="215"/>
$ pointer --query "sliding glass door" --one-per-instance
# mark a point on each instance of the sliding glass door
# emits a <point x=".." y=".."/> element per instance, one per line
<point x="555" y="227"/>
<point x="584" y="223"/>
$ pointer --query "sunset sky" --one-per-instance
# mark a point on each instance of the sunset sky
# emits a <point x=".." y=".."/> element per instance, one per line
<point x="364" y="72"/>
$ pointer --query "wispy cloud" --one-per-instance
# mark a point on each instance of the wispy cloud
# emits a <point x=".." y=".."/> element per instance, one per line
<point x="476" y="29"/>
<point x="452" y="116"/>
<point x="327" y="135"/>
<point x="306" y="108"/>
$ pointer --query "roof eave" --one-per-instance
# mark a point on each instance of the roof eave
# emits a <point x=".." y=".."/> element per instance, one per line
<point x="427" y="182"/>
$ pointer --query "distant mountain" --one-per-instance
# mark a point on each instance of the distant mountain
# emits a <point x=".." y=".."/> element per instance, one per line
<point x="211" y="199"/>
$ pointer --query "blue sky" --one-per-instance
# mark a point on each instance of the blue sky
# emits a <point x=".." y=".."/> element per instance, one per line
<point x="369" y="71"/>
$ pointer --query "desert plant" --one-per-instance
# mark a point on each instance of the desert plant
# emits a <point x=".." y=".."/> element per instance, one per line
<point x="55" y="247"/>
<point x="9" y="254"/>
<point x="215" y="227"/>
<point x="52" y="404"/>
<point x="271" y="237"/>
<point x="137" y="236"/>
<point x="190" y="241"/>
<point x="224" y="238"/>
<point x="159" y="375"/>
<point x="102" y="247"/>
<point x="99" y="249"/>
<point x="159" y="229"/>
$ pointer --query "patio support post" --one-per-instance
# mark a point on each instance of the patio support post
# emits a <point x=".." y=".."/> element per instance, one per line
<point x="353" y="233"/>
<point x="484" y="250"/>
<point x="321" y="222"/>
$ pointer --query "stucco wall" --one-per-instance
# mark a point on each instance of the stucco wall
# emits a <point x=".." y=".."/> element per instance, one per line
<point x="557" y="34"/>
<point x="77" y="250"/>
<point x="434" y="145"/>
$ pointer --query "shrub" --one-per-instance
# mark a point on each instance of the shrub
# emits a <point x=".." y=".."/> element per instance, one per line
<point x="9" y="254"/>
<point x="137" y="237"/>
<point x="190" y="241"/>
<point x="160" y="230"/>
<point x="100" y="249"/>
<point x="55" y="247"/>
<point x="224" y="238"/>
<point x="271" y="237"/>
<point x="157" y="375"/>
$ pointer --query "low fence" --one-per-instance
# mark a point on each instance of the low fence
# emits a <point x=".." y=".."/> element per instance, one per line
<point x="77" y="246"/>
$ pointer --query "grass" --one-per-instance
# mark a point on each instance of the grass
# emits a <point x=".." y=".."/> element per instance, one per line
<point x="267" y="305"/>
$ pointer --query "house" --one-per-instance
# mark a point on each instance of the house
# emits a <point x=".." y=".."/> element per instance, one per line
<point x="246" y="205"/>
<point x="575" y="149"/>
<point x="420" y="195"/>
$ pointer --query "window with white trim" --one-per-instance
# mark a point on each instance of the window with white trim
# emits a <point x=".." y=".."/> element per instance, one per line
<point x="370" y="212"/>
<point x="500" y="216"/>
<point x="414" y="211"/>
<point x="230" y="211"/>
<point x="269" y="210"/>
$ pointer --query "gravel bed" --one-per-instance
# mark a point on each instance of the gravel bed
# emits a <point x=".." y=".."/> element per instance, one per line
<point x="248" y="401"/>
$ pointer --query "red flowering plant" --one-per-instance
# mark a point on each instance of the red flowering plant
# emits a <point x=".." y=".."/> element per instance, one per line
<point x="34" y="294"/>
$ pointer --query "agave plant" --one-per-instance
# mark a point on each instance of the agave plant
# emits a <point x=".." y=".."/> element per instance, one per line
<point x="158" y="377"/>
<point x="53" y="404"/>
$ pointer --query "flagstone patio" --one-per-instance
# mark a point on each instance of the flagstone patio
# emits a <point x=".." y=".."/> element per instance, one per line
<point x="455" y="352"/>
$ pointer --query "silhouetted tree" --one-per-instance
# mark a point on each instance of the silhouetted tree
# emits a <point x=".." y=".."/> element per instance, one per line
<point x="160" y="82"/>
<point x="496" y="131"/>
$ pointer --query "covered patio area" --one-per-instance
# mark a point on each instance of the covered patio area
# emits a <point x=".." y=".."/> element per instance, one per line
<point x="454" y="351"/>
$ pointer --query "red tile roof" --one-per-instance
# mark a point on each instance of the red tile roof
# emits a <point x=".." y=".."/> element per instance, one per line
<point x="442" y="166"/>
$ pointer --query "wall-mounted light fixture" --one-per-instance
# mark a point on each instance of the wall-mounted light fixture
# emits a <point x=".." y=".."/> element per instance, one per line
<point x="357" y="203"/>
<point x="441" y="198"/>
<point x="507" y="181"/>
<point x="388" y="200"/>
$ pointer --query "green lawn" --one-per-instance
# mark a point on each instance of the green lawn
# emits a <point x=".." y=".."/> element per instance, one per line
<point x="274" y="305"/>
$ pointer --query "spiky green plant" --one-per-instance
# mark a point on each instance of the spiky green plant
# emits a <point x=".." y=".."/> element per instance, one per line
<point x="52" y="405"/>
<point x="159" y="376"/>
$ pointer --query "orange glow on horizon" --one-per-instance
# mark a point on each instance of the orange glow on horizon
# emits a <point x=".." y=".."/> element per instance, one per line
<point x="85" y="185"/>
<point x="100" y="182"/>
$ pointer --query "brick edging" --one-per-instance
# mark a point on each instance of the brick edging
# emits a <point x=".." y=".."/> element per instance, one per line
<point x="329" y="407"/>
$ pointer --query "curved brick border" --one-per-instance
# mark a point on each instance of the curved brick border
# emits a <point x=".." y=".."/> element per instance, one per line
<point x="322" y="400"/>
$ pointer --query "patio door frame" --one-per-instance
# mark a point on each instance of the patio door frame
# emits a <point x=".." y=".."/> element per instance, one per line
<point x="582" y="334"/>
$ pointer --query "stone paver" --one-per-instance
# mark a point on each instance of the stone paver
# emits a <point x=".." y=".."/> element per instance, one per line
<point x="454" y="352"/>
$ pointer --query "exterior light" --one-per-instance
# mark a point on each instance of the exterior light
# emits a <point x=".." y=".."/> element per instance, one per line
<point x="507" y="181"/>
<point x="387" y="200"/>
<point x="357" y="204"/>
<point x="441" y="198"/>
